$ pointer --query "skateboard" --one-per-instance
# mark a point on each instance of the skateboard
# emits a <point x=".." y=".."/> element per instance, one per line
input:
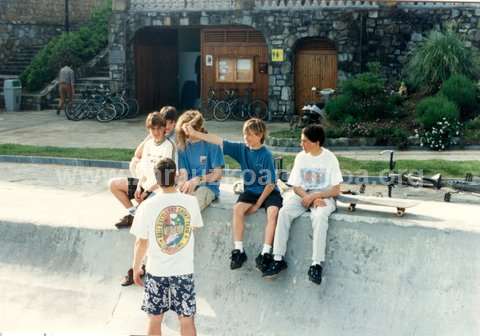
<point x="400" y="204"/>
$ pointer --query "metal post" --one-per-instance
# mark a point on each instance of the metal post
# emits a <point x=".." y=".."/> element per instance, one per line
<point x="67" y="19"/>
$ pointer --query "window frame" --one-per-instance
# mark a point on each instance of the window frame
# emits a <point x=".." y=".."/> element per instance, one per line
<point x="235" y="59"/>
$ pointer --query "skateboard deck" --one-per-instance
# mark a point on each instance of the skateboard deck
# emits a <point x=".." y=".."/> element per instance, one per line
<point x="400" y="204"/>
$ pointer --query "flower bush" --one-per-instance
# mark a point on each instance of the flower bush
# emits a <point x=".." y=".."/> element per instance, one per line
<point x="441" y="136"/>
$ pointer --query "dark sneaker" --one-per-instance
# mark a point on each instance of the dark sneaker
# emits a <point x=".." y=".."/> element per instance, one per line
<point x="58" y="111"/>
<point x="315" y="274"/>
<point x="274" y="268"/>
<point x="237" y="259"/>
<point x="263" y="261"/>
<point x="125" y="222"/>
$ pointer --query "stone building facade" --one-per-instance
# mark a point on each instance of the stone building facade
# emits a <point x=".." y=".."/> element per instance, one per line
<point x="34" y="22"/>
<point x="362" y="32"/>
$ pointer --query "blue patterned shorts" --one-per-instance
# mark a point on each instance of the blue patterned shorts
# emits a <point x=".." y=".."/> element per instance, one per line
<point x="176" y="293"/>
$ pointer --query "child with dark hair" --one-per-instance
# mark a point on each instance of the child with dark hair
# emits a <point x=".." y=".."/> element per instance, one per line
<point x="164" y="227"/>
<point x="316" y="179"/>
<point x="259" y="176"/>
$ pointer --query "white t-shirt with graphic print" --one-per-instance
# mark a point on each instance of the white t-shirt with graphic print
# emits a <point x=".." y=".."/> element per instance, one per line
<point x="151" y="155"/>
<point x="167" y="221"/>
<point x="316" y="173"/>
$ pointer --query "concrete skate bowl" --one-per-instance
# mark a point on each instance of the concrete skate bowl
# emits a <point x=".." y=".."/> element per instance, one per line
<point x="417" y="275"/>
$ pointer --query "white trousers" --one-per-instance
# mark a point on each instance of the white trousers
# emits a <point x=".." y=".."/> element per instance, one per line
<point x="293" y="208"/>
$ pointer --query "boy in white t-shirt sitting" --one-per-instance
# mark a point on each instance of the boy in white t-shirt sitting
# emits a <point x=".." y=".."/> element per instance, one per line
<point x="164" y="226"/>
<point x="143" y="183"/>
<point x="316" y="179"/>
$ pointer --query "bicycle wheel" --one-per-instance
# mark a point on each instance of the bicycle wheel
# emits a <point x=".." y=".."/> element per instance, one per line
<point x="221" y="111"/>
<point x="106" y="113"/>
<point x="75" y="112"/>
<point x="237" y="108"/>
<point x="132" y="107"/>
<point x="119" y="108"/>
<point x="207" y="112"/>
<point x="259" y="109"/>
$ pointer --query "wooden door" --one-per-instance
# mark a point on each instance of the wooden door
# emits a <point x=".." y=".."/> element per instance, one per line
<point x="156" y="63"/>
<point x="314" y="68"/>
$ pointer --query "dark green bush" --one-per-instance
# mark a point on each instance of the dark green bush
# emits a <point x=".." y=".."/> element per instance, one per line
<point x="437" y="58"/>
<point x="363" y="98"/>
<point x="76" y="47"/>
<point x="432" y="110"/>
<point x="342" y="108"/>
<point x="462" y="91"/>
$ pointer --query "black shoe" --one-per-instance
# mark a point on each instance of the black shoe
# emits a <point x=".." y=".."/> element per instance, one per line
<point x="58" y="111"/>
<point x="263" y="261"/>
<point x="237" y="259"/>
<point x="315" y="274"/>
<point x="274" y="268"/>
<point x="125" y="222"/>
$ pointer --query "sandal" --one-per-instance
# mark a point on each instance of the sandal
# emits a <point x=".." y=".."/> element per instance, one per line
<point x="128" y="279"/>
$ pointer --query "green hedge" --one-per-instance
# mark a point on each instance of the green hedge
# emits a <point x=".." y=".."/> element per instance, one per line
<point x="462" y="91"/>
<point x="363" y="98"/>
<point x="75" y="47"/>
<point x="432" y="110"/>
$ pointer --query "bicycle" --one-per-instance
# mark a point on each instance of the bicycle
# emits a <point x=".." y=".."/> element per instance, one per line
<point x="240" y="108"/>
<point x="222" y="110"/>
<point x="247" y="107"/>
<point x="212" y="100"/>
<point x="91" y="105"/>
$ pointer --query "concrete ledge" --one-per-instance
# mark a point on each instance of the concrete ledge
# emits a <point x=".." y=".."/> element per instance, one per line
<point x="384" y="275"/>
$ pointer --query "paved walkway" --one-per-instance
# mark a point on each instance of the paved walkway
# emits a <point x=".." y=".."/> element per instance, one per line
<point x="45" y="128"/>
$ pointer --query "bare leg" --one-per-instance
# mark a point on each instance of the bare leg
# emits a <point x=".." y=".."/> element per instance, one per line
<point x="61" y="92"/>
<point x="187" y="326"/>
<point x="155" y="325"/>
<point x="272" y="214"/>
<point x="119" y="189"/>
<point x="239" y="210"/>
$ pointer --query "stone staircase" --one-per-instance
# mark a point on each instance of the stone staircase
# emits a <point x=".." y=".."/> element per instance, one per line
<point x="17" y="63"/>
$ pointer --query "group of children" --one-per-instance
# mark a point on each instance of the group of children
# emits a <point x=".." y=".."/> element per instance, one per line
<point x="177" y="170"/>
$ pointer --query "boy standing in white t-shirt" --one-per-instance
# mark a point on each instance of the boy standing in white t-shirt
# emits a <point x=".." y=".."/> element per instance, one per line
<point x="316" y="179"/>
<point x="164" y="226"/>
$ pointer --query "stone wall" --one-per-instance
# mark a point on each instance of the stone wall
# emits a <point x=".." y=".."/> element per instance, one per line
<point x="385" y="34"/>
<point x="34" y="22"/>
<point x="51" y="12"/>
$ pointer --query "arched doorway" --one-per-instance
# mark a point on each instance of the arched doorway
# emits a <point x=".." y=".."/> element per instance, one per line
<point x="315" y="65"/>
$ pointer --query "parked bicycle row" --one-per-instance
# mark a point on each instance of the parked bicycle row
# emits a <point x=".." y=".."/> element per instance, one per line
<point x="232" y="106"/>
<point x="102" y="105"/>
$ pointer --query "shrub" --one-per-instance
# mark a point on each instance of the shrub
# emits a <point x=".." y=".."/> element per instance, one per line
<point x="432" y="110"/>
<point x="341" y="108"/>
<point x="462" y="91"/>
<point x="76" y="47"/>
<point x="362" y="98"/>
<point x="440" y="136"/>
<point x="473" y="124"/>
<point x="439" y="57"/>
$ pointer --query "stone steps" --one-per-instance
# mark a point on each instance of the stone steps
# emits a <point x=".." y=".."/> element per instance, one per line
<point x="18" y="62"/>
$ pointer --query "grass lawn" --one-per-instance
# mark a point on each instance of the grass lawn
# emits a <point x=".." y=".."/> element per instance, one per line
<point x="349" y="166"/>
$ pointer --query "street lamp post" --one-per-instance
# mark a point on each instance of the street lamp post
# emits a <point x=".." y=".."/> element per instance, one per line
<point x="67" y="19"/>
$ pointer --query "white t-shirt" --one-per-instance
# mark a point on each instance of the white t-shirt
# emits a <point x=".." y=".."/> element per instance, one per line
<point x="316" y="173"/>
<point x="151" y="155"/>
<point x="167" y="221"/>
